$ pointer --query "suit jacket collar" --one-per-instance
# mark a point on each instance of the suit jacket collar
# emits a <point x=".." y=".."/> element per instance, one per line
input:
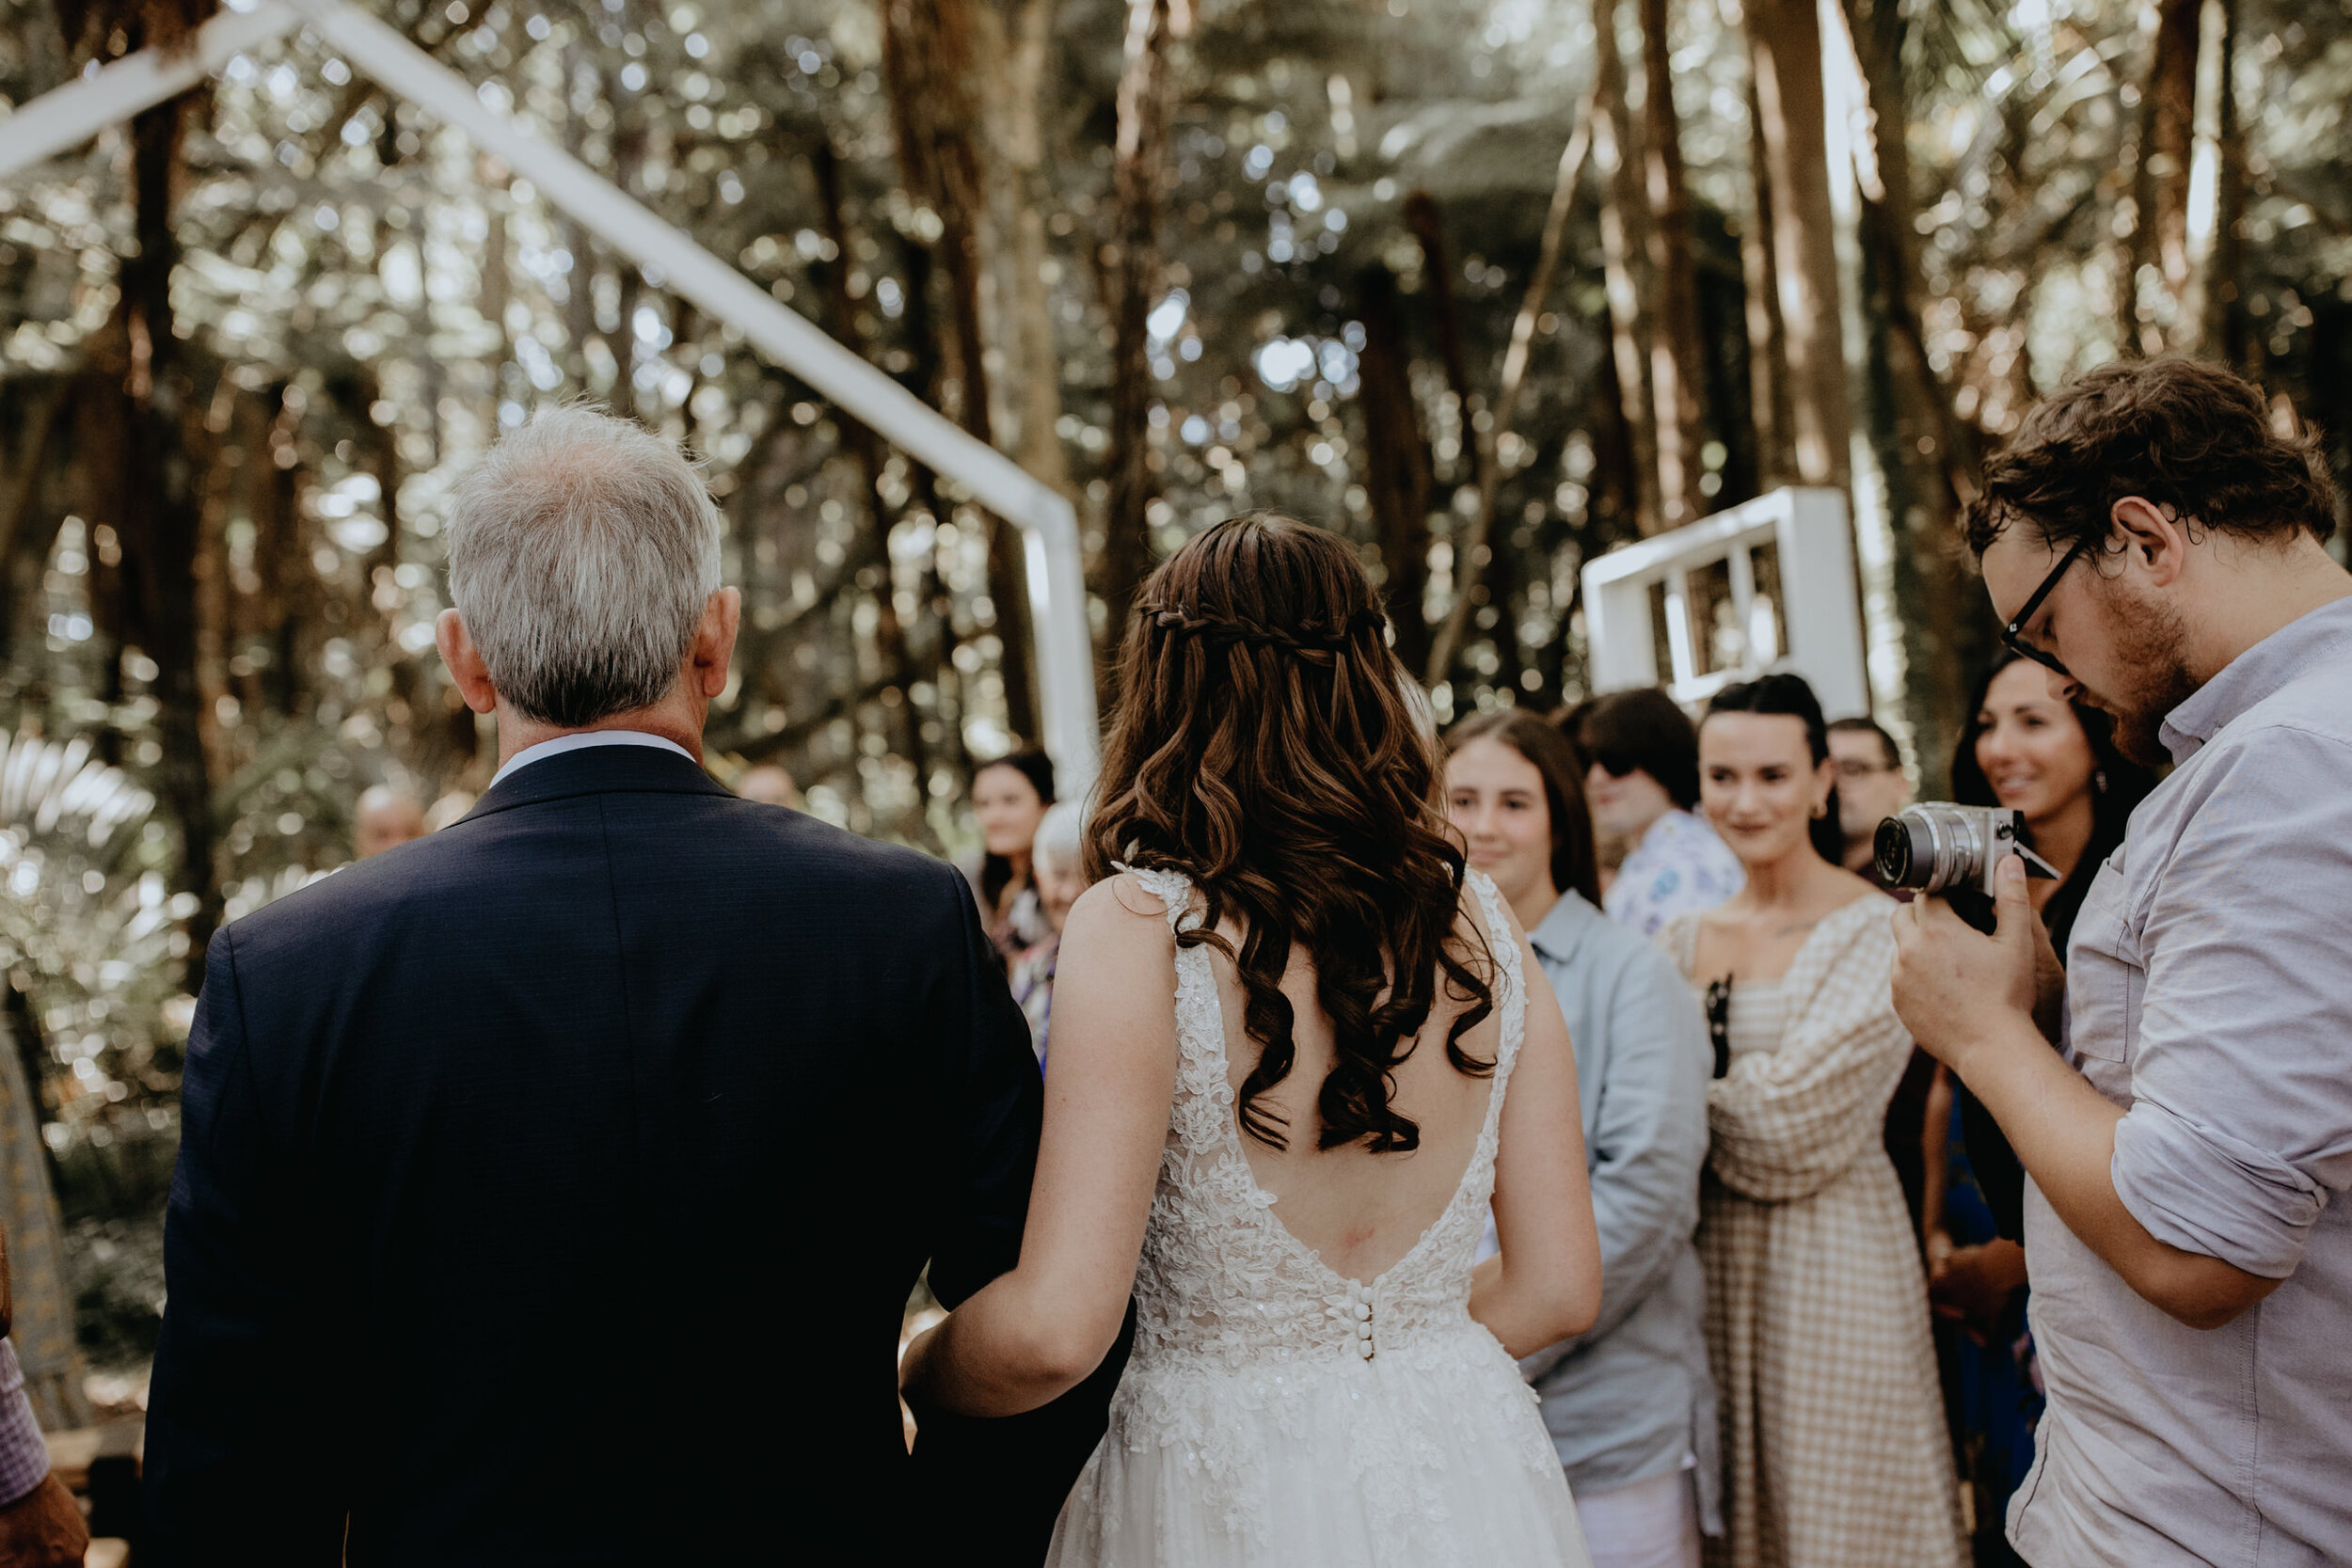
<point x="597" y="770"/>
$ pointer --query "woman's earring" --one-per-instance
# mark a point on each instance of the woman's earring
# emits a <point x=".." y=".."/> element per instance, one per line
<point x="2099" y="780"/>
<point x="1821" y="809"/>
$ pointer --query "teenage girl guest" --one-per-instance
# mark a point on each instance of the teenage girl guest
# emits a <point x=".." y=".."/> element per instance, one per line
<point x="2027" y="751"/>
<point x="1817" y="1318"/>
<point x="1630" y="1404"/>
<point x="1009" y="797"/>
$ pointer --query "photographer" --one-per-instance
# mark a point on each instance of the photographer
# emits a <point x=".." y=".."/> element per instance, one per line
<point x="2150" y="540"/>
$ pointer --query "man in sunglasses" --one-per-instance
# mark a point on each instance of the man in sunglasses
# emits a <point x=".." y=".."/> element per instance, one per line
<point x="2158" y="541"/>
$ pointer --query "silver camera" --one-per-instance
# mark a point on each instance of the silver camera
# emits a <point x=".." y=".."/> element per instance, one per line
<point x="1938" y="847"/>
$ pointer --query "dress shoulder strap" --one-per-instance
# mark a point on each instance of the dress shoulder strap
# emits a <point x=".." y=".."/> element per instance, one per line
<point x="1170" y="887"/>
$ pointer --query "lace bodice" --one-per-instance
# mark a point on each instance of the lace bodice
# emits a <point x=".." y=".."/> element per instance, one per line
<point x="1222" y="1281"/>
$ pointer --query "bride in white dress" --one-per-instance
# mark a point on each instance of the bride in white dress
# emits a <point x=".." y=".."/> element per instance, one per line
<point x="1291" y="1166"/>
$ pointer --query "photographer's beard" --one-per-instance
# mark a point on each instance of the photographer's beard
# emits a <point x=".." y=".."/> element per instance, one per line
<point x="2147" y="650"/>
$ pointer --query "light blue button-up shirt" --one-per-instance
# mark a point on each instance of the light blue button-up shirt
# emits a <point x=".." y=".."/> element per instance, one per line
<point x="2209" y="992"/>
<point x="1631" y="1399"/>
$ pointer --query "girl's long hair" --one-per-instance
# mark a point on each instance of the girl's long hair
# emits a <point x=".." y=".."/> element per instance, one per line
<point x="1270" y="746"/>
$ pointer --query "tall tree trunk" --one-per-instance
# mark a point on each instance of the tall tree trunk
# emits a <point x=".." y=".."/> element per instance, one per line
<point x="1623" y="206"/>
<point x="1478" y="455"/>
<point x="928" y="59"/>
<point x="139" y="400"/>
<point x="865" y="451"/>
<point x="1768" y="357"/>
<point x="1910" y="420"/>
<point x="1396" y="459"/>
<point x="1785" y="48"/>
<point x="1138" y="172"/>
<point x="1025" y="194"/>
<point x="2168" y="126"/>
<point x="1675" y="356"/>
<point x="2221" y="327"/>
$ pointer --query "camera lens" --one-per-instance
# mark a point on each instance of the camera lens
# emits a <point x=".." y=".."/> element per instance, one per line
<point x="1899" y="863"/>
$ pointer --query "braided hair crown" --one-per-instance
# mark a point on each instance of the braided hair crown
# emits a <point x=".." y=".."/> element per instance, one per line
<point x="1268" y="744"/>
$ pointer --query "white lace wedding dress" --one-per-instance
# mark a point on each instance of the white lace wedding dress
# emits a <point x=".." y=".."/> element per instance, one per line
<point x="1276" y="1413"/>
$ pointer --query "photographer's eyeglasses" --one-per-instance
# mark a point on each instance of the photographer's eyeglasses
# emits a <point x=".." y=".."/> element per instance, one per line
<point x="2013" y="635"/>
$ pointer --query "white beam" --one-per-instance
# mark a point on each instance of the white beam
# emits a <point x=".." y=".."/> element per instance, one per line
<point x="68" y="116"/>
<point x="1049" y="524"/>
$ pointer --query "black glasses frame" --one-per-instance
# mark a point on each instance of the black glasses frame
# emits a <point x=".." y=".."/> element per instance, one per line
<point x="2012" y="635"/>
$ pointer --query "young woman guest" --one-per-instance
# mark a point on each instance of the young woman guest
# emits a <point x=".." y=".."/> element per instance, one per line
<point x="2027" y="751"/>
<point x="1817" y="1321"/>
<point x="1009" y="797"/>
<point x="1630" y="1404"/>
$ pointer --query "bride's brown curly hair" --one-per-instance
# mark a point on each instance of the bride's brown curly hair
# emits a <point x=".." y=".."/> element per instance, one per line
<point x="1265" y="746"/>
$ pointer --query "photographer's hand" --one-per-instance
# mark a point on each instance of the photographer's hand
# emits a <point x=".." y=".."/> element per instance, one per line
<point x="1952" y="982"/>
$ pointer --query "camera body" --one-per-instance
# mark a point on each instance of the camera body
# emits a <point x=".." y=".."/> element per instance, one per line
<point x="1940" y="848"/>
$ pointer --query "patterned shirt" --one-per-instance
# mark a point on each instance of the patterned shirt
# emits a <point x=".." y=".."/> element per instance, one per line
<point x="1679" y="868"/>
<point x="2206" y="995"/>
<point x="23" y="1457"/>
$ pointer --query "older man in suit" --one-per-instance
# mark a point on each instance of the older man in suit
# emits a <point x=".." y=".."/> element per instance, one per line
<point x="550" y="1188"/>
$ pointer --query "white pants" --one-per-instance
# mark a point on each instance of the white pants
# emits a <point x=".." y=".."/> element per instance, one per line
<point x="1650" y="1524"/>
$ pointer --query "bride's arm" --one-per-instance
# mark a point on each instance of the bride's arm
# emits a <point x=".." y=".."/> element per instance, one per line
<point x="1546" y="1284"/>
<point x="1035" y="1333"/>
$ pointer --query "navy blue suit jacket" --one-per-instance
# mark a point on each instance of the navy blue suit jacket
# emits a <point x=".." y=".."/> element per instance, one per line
<point x="550" y="1190"/>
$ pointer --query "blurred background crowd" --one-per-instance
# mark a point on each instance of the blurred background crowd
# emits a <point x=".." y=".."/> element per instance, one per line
<point x="1491" y="286"/>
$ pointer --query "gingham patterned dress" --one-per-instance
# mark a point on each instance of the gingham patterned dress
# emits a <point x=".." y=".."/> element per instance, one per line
<point x="1834" y="1440"/>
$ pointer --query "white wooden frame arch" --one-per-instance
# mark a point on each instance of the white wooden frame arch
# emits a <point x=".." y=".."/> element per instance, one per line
<point x="1048" y="523"/>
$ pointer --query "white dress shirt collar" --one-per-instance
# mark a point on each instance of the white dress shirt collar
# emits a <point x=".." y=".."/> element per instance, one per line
<point x="581" y="742"/>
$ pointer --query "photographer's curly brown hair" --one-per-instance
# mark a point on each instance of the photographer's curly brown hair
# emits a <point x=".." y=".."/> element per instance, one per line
<point x="1265" y="746"/>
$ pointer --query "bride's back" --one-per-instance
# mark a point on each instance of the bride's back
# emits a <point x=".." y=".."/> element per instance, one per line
<point x="1360" y="1211"/>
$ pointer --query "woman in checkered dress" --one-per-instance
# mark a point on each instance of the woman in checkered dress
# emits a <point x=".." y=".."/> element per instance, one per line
<point x="1817" y="1324"/>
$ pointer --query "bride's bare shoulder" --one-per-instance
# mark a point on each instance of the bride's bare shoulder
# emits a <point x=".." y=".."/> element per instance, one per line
<point x="1121" y="907"/>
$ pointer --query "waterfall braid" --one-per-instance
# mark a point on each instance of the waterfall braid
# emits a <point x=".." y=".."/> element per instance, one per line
<point x="1269" y="745"/>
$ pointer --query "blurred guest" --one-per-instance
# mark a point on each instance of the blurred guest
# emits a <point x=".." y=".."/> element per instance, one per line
<point x="1056" y="860"/>
<point x="47" y="1355"/>
<point x="40" y="1525"/>
<point x="770" y="785"/>
<point x="1642" y="778"/>
<point x="1629" y="1403"/>
<point x="1816" y="1319"/>
<point x="1871" y="787"/>
<point x="1009" y="797"/>
<point x="387" y="817"/>
<point x="450" y="809"/>
<point x="2056" y="762"/>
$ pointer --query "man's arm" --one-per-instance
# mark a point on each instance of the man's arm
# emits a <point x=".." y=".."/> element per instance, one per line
<point x="1968" y="1000"/>
<point x="232" y="1473"/>
<point x="40" y="1526"/>
<point x="1648" y="1145"/>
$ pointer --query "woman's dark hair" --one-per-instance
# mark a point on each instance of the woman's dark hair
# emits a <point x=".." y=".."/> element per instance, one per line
<point x="1787" y="694"/>
<point x="2118" y="784"/>
<point x="1575" y="863"/>
<point x="1035" y="766"/>
<point x="1266" y="745"/>
<point x="1644" y="730"/>
<point x="2176" y="432"/>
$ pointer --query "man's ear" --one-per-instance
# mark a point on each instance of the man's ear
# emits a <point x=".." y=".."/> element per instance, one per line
<point x="714" y="640"/>
<point x="465" y="662"/>
<point x="2156" y="539"/>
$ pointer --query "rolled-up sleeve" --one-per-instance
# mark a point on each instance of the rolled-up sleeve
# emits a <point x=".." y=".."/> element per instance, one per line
<point x="2241" y="1118"/>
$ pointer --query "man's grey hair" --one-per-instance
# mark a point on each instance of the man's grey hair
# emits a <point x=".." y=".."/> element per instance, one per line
<point x="1060" y="835"/>
<point x="583" y="550"/>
